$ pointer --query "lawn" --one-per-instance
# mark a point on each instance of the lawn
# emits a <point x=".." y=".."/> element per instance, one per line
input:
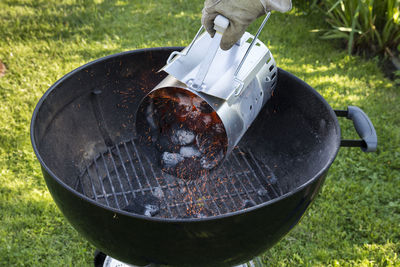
<point x="355" y="221"/>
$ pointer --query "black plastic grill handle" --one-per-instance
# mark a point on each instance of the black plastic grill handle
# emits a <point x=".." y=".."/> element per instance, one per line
<point x="364" y="128"/>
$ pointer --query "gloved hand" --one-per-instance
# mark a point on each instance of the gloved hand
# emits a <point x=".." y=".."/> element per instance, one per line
<point x="241" y="13"/>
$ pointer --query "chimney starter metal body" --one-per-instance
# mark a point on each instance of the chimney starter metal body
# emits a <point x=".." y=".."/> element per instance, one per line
<point x="235" y="83"/>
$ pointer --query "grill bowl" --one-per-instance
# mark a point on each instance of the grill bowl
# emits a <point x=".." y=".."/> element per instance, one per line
<point x="88" y="111"/>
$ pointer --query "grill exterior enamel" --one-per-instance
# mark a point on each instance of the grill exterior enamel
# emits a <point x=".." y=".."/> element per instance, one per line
<point x="84" y="120"/>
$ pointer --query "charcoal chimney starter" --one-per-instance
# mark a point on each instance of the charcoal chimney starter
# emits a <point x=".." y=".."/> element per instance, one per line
<point x="233" y="86"/>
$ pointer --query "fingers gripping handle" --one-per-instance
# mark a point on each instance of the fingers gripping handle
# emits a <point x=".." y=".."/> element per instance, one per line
<point x="364" y="128"/>
<point x="220" y="25"/>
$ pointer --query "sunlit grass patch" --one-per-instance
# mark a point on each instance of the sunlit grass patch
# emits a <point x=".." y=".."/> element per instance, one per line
<point x="354" y="221"/>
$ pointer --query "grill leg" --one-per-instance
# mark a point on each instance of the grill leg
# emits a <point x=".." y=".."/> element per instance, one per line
<point x="102" y="260"/>
<point x="256" y="262"/>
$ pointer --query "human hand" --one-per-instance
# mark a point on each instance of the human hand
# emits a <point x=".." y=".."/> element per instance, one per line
<point x="240" y="13"/>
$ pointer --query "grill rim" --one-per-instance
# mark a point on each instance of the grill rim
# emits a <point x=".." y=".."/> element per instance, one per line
<point x="316" y="177"/>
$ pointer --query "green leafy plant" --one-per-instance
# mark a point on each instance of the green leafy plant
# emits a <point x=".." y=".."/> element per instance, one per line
<point x="397" y="76"/>
<point x="306" y="4"/>
<point x="372" y="25"/>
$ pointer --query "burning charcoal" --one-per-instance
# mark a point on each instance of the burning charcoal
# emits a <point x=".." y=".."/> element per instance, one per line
<point x="193" y="121"/>
<point x="218" y="128"/>
<point x="196" y="103"/>
<point x="158" y="193"/>
<point x="164" y="144"/>
<point x="204" y="142"/>
<point x="182" y="137"/>
<point x="197" y="121"/>
<point x="167" y="118"/>
<point x="272" y="180"/>
<point x="151" y="210"/>
<point x="205" y="107"/>
<point x="200" y="123"/>
<point x="152" y="121"/>
<point x="206" y="121"/>
<point x="262" y="192"/>
<point x="211" y="160"/>
<point x="201" y="105"/>
<point x="147" y="205"/>
<point x="150" y="117"/>
<point x="189" y="152"/>
<point x="184" y="106"/>
<point x="184" y="100"/>
<point x="169" y="160"/>
<point x="207" y="164"/>
<point x="248" y="204"/>
<point x="169" y="179"/>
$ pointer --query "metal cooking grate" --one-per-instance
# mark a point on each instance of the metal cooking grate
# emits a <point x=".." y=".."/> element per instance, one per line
<point x="122" y="177"/>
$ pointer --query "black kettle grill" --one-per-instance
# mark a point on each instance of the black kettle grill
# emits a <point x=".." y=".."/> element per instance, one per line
<point x="114" y="193"/>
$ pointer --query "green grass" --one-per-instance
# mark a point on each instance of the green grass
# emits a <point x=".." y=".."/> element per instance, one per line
<point x="355" y="221"/>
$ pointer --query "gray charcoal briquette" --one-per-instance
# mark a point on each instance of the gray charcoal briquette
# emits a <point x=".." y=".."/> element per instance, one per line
<point x="189" y="152"/>
<point x="171" y="159"/>
<point x="262" y="192"/>
<point x="151" y="210"/>
<point x="182" y="137"/>
<point x="158" y="192"/>
<point x="209" y="162"/>
<point x="248" y="203"/>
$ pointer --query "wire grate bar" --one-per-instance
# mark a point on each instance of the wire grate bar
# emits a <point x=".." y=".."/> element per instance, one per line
<point x="244" y="187"/>
<point x="91" y="184"/>
<point x="155" y="177"/>
<point x="138" y="190"/>
<point x="175" y="203"/>
<point x="252" y="170"/>
<point x="133" y="168"/>
<point x="261" y="170"/>
<point x="100" y="180"/>
<point x="125" y="171"/>
<point x="191" y="193"/>
<point x="122" y="172"/>
<point x="141" y="165"/>
<point x="233" y="185"/>
<point x="195" y="202"/>
<point x="118" y="178"/>
<point x="240" y="181"/>
<point x="220" y="197"/>
<point x="201" y="194"/>
<point x="211" y="198"/>
<point x="230" y="195"/>
<point x="110" y="180"/>
<point x="245" y="174"/>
